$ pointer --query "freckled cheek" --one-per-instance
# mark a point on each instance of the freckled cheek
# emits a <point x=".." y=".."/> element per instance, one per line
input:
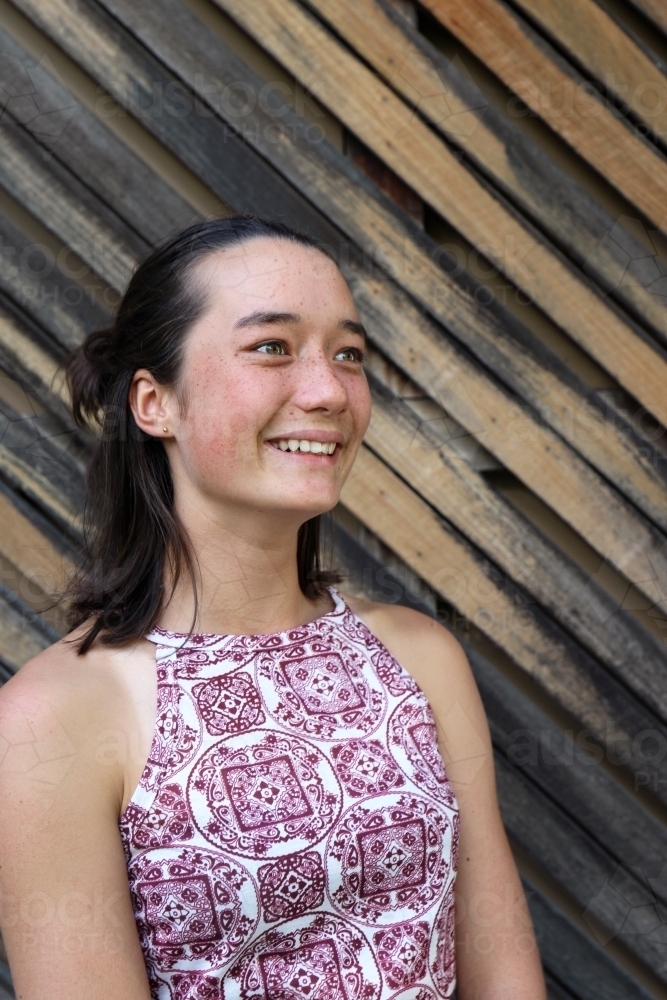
<point x="222" y="425"/>
<point x="360" y="406"/>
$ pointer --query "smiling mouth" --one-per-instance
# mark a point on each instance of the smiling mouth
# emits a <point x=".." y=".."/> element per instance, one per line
<point x="305" y="447"/>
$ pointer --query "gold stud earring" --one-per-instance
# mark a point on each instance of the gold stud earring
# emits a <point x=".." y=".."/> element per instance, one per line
<point x="166" y="430"/>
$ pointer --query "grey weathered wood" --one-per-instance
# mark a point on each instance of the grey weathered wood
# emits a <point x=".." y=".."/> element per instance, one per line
<point x="66" y="206"/>
<point x="27" y="356"/>
<point x="63" y="308"/>
<point x="430" y="463"/>
<point x="555" y="762"/>
<point x="36" y="459"/>
<point x="83" y="143"/>
<point x="579" y="966"/>
<point x="599" y="884"/>
<point x="23" y="634"/>
<point x="339" y="201"/>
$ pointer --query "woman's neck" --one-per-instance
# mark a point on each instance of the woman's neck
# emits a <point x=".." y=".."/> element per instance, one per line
<point x="247" y="577"/>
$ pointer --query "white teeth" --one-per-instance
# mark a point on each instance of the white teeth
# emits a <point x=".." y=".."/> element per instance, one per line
<point x="314" y="447"/>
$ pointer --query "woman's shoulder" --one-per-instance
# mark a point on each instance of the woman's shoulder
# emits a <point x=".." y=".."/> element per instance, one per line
<point x="58" y="704"/>
<point x="60" y="676"/>
<point x="423" y="646"/>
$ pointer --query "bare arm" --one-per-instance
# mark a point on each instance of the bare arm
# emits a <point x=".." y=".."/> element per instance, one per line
<point x="496" y="950"/>
<point x="65" y="909"/>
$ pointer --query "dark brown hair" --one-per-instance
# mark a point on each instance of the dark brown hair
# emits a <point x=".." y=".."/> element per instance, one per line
<point x="133" y="538"/>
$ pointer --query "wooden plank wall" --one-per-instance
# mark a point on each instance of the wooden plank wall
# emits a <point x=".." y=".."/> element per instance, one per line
<point x="492" y="176"/>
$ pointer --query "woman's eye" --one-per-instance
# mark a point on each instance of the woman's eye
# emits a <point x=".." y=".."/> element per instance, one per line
<point x="273" y="347"/>
<point x="351" y="354"/>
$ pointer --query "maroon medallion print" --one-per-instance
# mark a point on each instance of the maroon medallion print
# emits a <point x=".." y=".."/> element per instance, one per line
<point x="263" y="794"/>
<point x="191" y="905"/>
<point x="229" y="704"/>
<point x="166" y="823"/>
<point x="402" y="952"/>
<point x="385" y="859"/>
<point x="176" y="737"/>
<point x="414" y="744"/>
<point x="365" y="768"/>
<point x="291" y="886"/>
<point x="294" y="835"/>
<point x="319" y="957"/>
<point x="324" y="694"/>
<point x="442" y="959"/>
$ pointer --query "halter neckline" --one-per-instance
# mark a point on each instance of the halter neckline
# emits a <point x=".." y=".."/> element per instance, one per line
<point x="163" y="637"/>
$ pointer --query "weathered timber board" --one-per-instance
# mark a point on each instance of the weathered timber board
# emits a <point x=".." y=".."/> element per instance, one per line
<point x="451" y="566"/>
<point x="577" y="965"/>
<point x="564" y="771"/>
<point x="36" y="459"/>
<point x="65" y="206"/>
<point x="83" y="143"/>
<point x="61" y="305"/>
<point x="517" y="455"/>
<point x="25" y="355"/>
<point x="597" y="882"/>
<point x="654" y="10"/>
<point x="598" y="43"/>
<point x="553" y="89"/>
<point x="447" y="96"/>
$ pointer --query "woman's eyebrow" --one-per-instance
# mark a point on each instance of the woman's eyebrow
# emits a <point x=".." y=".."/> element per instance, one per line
<point x="260" y="316"/>
<point x="354" y="326"/>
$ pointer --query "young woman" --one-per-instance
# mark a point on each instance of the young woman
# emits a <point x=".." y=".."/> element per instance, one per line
<point x="229" y="779"/>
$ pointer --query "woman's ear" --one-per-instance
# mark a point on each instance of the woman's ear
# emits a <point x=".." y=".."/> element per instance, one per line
<point x="152" y="405"/>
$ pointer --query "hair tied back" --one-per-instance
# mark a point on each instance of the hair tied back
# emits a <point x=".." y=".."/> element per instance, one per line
<point x="90" y="371"/>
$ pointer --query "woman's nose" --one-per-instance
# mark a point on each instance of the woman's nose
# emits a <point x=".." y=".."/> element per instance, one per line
<point x="318" y="386"/>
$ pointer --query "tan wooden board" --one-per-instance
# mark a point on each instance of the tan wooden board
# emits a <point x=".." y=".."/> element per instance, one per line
<point x="510" y="49"/>
<point x="599" y="44"/>
<point x="444" y="93"/>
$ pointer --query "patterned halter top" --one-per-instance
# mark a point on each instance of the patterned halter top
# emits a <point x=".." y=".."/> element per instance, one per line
<point x="294" y="835"/>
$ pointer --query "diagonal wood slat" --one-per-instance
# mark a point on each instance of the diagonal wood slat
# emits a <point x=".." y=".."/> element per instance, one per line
<point x="402" y="520"/>
<point x="654" y="10"/>
<point x="70" y="211"/>
<point x="387" y="126"/>
<point x="554" y="91"/>
<point x="603" y="49"/>
<point x="445" y="94"/>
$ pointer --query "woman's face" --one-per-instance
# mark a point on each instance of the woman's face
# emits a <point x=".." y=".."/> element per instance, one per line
<point x="276" y="400"/>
